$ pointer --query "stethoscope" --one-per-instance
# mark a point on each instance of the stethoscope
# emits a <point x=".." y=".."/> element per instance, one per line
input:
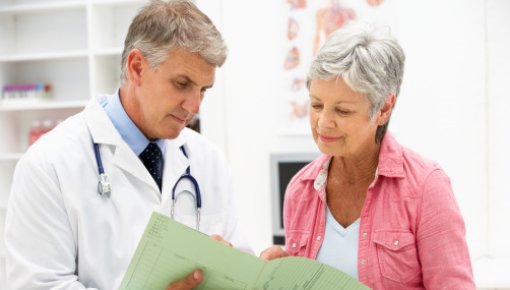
<point x="104" y="187"/>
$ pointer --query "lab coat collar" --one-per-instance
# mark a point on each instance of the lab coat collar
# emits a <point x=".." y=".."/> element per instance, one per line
<point x="100" y="127"/>
<point x="104" y="133"/>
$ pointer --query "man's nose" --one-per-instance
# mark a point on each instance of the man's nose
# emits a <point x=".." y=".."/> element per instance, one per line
<point x="192" y="103"/>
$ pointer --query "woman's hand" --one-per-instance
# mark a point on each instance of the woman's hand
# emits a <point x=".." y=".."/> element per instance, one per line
<point x="273" y="252"/>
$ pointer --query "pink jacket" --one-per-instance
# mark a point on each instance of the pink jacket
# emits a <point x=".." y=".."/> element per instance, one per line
<point x="411" y="230"/>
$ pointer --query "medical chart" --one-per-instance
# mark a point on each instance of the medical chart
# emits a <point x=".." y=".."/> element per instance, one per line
<point x="169" y="250"/>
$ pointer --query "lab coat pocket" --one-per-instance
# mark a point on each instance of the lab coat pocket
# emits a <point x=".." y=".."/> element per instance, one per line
<point x="213" y="224"/>
<point x="397" y="254"/>
<point x="297" y="243"/>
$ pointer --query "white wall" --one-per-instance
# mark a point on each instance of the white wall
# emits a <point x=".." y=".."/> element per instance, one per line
<point x="442" y="109"/>
<point x="252" y="107"/>
<point x="498" y="66"/>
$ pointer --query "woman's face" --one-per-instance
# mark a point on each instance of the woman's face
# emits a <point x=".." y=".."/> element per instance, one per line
<point x="340" y="120"/>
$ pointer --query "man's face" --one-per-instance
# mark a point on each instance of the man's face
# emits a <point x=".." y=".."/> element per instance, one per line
<point x="165" y="99"/>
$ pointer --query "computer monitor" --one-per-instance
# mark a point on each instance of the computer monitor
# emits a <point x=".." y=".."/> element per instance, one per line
<point x="283" y="167"/>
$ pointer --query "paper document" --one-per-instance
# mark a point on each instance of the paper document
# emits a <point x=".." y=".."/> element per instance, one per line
<point x="169" y="251"/>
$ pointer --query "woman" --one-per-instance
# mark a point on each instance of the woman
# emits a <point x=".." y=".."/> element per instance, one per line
<point x="368" y="206"/>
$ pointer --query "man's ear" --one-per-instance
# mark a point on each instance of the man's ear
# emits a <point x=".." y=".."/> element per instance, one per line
<point x="135" y="66"/>
<point x="386" y="109"/>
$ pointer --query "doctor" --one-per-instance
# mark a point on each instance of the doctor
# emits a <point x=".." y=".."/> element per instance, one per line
<point x="62" y="231"/>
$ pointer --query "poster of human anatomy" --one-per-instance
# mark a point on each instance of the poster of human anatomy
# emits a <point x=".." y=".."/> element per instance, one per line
<point x="308" y="23"/>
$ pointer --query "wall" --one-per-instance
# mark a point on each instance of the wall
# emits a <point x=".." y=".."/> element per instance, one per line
<point x="443" y="102"/>
<point x="498" y="69"/>
<point x="252" y="108"/>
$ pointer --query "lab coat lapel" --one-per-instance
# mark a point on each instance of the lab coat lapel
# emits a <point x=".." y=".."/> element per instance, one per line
<point x="104" y="133"/>
<point x="125" y="159"/>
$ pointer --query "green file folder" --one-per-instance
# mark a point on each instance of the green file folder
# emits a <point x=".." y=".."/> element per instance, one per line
<point x="169" y="251"/>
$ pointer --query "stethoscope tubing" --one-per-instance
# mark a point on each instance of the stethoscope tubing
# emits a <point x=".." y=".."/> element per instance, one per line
<point x="197" y="197"/>
<point x="98" y="159"/>
<point x="104" y="186"/>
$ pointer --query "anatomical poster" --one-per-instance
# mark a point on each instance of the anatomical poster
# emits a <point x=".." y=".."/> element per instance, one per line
<point x="308" y="23"/>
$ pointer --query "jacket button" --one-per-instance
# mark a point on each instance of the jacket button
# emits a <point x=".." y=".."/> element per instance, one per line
<point x="395" y="243"/>
<point x="293" y="245"/>
<point x="318" y="238"/>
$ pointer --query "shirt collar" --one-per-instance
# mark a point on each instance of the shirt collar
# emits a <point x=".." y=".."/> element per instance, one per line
<point x="127" y="129"/>
<point x="391" y="159"/>
<point x="391" y="163"/>
<point x="317" y="168"/>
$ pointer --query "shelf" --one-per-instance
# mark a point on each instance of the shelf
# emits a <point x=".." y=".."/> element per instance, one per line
<point x="10" y="156"/>
<point x="108" y="51"/>
<point x="69" y="79"/>
<point x="32" y="105"/>
<point x="44" y="56"/>
<point x="109" y="22"/>
<point x="73" y="45"/>
<point x="41" y="7"/>
<point x="43" y="31"/>
<point x="117" y="2"/>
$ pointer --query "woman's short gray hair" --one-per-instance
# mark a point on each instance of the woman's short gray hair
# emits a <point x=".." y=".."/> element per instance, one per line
<point x="162" y="26"/>
<point x="369" y="60"/>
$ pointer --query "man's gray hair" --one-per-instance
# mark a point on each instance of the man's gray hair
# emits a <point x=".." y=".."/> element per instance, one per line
<point x="162" y="26"/>
<point x="369" y="60"/>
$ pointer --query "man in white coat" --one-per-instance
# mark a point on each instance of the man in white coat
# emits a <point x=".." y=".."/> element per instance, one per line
<point x="61" y="233"/>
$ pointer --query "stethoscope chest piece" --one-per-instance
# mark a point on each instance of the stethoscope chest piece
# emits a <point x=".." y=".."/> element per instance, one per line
<point x="104" y="186"/>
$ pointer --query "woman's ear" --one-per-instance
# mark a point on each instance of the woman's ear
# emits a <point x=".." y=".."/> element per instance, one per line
<point x="135" y="65"/>
<point x="386" y="109"/>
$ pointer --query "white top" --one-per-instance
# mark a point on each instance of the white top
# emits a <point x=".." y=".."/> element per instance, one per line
<point x="340" y="246"/>
<point x="61" y="234"/>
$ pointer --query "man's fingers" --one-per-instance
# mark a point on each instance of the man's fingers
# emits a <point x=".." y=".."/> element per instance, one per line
<point x="187" y="283"/>
<point x="221" y="240"/>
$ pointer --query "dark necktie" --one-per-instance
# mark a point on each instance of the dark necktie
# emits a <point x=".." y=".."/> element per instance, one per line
<point x="152" y="158"/>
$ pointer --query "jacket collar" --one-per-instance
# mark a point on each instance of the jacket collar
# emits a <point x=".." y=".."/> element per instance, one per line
<point x="100" y="127"/>
<point x="104" y="133"/>
<point x="390" y="164"/>
<point x="391" y="159"/>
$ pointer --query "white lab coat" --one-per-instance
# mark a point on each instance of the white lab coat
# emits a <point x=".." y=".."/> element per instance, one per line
<point x="61" y="234"/>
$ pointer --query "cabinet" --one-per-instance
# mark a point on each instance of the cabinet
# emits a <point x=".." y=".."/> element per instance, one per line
<point x="74" y="46"/>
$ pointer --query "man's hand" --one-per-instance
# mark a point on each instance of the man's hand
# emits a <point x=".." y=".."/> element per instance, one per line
<point x="187" y="283"/>
<point x="273" y="252"/>
<point x="195" y="277"/>
<point x="220" y="239"/>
